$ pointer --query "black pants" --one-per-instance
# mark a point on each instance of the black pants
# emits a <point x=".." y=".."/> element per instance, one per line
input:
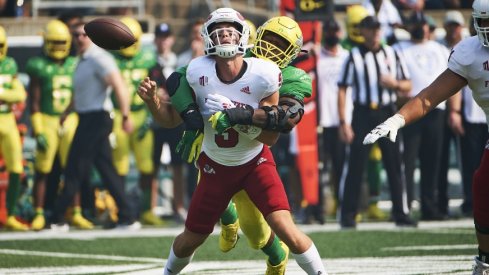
<point x="472" y="148"/>
<point x="335" y="152"/>
<point x="90" y="147"/>
<point x="364" y="120"/>
<point x="423" y="140"/>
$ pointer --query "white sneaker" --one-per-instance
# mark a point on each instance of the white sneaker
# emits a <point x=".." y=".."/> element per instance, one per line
<point x="480" y="268"/>
<point x="62" y="227"/>
<point x="135" y="226"/>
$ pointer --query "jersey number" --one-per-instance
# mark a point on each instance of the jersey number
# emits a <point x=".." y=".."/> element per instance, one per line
<point x="228" y="139"/>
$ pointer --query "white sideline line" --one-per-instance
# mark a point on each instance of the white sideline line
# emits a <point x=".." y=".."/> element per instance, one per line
<point x="431" y="247"/>
<point x="78" y="256"/>
<point x="441" y="226"/>
<point x="411" y="265"/>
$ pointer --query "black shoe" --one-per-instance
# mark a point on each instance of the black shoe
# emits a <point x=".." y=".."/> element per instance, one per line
<point x="406" y="222"/>
<point x="348" y="224"/>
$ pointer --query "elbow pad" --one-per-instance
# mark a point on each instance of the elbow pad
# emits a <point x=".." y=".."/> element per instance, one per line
<point x="180" y="92"/>
<point x="193" y="118"/>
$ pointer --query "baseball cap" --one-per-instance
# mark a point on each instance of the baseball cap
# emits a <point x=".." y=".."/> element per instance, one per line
<point x="369" y="22"/>
<point x="163" y="29"/>
<point x="331" y="24"/>
<point x="417" y="18"/>
<point x="454" y="17"/>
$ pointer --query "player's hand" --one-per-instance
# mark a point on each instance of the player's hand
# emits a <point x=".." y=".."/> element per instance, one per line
<point x="216" y="103"/>
<point x="190" y="145"/>
<point x="220" y="122"/>
<point x="147" y="91"/>
<point x="42" y="142"/>
<point x="388" y="127"/>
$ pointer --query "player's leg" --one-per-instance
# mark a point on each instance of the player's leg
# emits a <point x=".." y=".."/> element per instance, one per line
<point x="43" y="164"/>
<point x="229" y="228"/>
<point x="12" y="152"/>
<point x="259" y="234"/>
<point x="480" y="190"/>
<point x="120" y="146"/>
<point x="66" y="133"/>
<point x="211" y="196"/>
<point x="142" y="146"/>
<point x="266" y="190"/>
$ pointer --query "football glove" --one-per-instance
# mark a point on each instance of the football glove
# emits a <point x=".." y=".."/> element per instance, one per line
<point x="41" y="142"/>
<point x="216" y="103"/>
<point x="190" y="145"/>
<point x="388" y="127"/>
<point x="220" y="122"/>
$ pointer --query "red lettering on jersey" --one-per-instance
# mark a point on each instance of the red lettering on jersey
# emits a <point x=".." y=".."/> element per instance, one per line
<point x="485" y="65"/>
<point x="203" y="80"/>
<point x="486" y="83"/>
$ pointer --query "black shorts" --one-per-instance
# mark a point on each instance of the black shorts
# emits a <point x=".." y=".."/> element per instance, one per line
<point x="170" y="136"/>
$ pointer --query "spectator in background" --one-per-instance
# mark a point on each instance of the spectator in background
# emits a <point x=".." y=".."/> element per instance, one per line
<point x="95" y="75"/>
<point x="12" y="91"/>
<point x="134" y="64"/>
<point x="196" y="45"/>
<point x="423" y="139"/>
<point x="453" y="24"/>
<point x="377" y="74"/>
<point x="50" y="92"/>
<point x="329" y="64"/>
<point x="71" y="18"/>
<point x="354" y="15"/>
<point x="414" y="5"/>
<point x="388" y="16"/>
<point x="166" y="62"/>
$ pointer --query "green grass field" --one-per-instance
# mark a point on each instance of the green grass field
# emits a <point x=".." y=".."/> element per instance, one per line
<point x="375" y="248"/>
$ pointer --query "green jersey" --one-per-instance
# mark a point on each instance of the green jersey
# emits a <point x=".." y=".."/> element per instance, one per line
<point x="56" y="80"/>
<point x="296" y="84"/>
<point x="133" y="71"/>
<point x="8" y="71"/>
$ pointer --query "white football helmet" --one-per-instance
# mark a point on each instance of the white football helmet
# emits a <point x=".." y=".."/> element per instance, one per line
<point x="481" y="11"/>
<point x="225" y="15"/>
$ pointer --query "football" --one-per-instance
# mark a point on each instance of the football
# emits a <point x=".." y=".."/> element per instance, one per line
<point x="109" y="33"/>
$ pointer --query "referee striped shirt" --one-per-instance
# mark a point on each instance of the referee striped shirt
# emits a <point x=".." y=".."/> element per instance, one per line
<point x="362" y="70"/>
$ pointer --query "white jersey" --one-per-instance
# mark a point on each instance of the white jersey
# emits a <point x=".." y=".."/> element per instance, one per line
<point x="329" y="69"/>
<point x="470" y="60"/>
<point x="425" y="61"/>
<point x="261" y="79"/>
<point x="472" y="112"/>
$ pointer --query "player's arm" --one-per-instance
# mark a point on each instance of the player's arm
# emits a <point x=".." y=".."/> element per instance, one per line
<point x="35" y="103"/>
<point x="163" y="112"/>
<point x="345" y="131"/>
<point x="15" y="94"/>
<point x="269" y="137"/>
<point x="445" y="85"/>
<point x="454" y="108"/>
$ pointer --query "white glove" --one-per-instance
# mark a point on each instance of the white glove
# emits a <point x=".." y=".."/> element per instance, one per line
<point x="216" y="103"/>
<point x="390" y="126"/>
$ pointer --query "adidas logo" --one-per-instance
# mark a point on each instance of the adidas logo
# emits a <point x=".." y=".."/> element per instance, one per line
<point x="209" y="170"/>
<point x="260" y="161"/>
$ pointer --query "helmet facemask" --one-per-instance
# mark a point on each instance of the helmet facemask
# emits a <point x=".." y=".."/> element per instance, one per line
<point x="212" y="36"/>
<point x="278" y="40"/>
<point x="57" y="40"/>
<point x="3" y="43"/>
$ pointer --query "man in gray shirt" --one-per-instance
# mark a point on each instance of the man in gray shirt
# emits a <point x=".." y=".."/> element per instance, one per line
<point x="95" y="77"/>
